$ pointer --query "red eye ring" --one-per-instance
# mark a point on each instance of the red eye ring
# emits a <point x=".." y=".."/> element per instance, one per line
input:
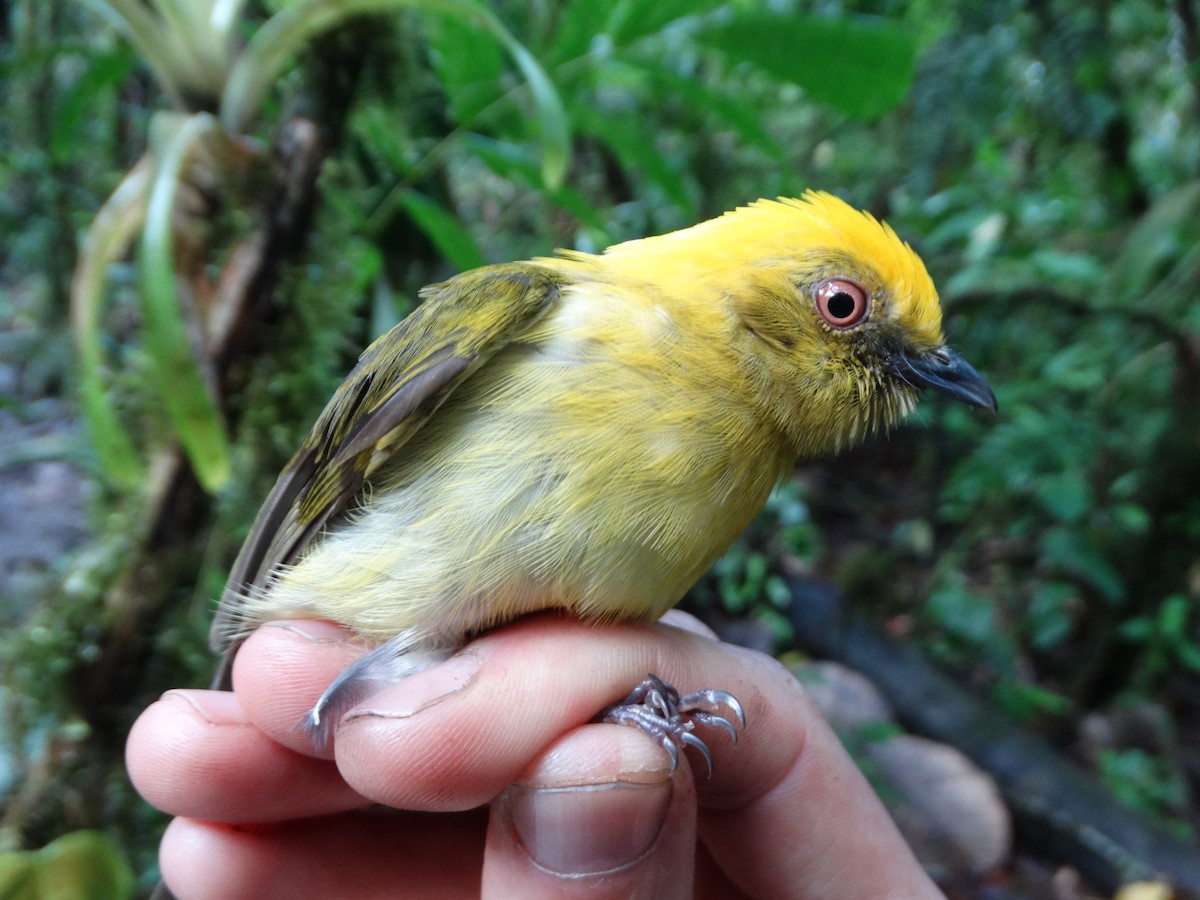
<point x="841" y="302"/>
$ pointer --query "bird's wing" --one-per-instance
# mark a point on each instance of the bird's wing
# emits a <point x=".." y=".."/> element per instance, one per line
<point x="399" y="382"/>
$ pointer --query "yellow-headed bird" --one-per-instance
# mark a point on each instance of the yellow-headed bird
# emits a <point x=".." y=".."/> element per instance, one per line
<point x="587" y="432"/>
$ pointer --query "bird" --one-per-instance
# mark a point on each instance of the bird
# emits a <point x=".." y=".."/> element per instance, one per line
<point x="587" y="433"/>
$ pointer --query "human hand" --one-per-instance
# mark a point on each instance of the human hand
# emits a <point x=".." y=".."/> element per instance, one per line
<point x="482" y="776"/>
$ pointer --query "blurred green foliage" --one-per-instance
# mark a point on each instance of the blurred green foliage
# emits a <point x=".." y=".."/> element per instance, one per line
<point x="1041" y="157"/>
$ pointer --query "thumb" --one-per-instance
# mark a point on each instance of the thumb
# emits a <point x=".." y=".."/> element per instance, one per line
<point x="598" y="814"/>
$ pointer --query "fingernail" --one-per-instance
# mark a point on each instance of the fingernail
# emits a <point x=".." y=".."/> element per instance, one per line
<point x="318" y="631"/>
<point x="422" y="690"/>
<point x="591" y="829"/>
<point x="214" y="707"/>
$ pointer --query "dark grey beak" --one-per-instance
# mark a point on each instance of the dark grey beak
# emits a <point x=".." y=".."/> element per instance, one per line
<point x="946" y="372"/>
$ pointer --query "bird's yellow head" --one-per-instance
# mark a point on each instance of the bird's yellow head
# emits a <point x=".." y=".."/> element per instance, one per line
<point x="833" y="321"/>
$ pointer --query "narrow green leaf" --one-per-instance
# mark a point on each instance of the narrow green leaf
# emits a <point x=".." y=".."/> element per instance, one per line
<point x="509" y="161"/>
<point x="189" y="404"/>
<point x="444" y="229"/>
<point x="164" y="50"/>
<point x="857" y="65"/>
<point x="108" y="238"/>
<point x="283" y="35"/>
<point x="552" y="117"/>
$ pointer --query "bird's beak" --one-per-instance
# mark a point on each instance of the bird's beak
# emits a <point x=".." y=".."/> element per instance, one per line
<point x="947" y="373"/>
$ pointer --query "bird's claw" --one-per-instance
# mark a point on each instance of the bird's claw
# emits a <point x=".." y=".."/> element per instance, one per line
<point x="659" y="711"/>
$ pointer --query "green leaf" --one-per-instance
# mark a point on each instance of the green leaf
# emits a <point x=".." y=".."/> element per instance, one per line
<point x="856" y="65"/>
<point x="1024" y="701"/>
<point x="82" y="865"/>
<point x="1071" y="552"/>
<point x="107" y="239"/>
<point x="446" y="232"/>
<point x="469" y="63"/>
<point x="579" y="24"/>
<point x="283" y="35"/>
<point x="508" y="160"/>
<point x="1051" y="616"/>
<point x="18" y="875"/>
<point x="627" y="139"/>
<point x="1067" y="496"/>
<point x="705" y="101"/>
<point x="1073" y="271"/>
<point x="1154" y="246"/>
<point x="190" y="405"/>
<point x="104" y="72"/>
<point x="154" y="40"/>
<point x="630" y="20"/>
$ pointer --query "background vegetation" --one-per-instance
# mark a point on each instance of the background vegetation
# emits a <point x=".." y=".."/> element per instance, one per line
<point x="1041" y="156"/>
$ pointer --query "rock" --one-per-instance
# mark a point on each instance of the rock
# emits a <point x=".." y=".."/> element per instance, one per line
<point x="846" y="699"/>
<point x="948" y="810"/>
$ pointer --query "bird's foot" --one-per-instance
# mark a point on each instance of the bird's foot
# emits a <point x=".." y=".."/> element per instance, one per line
<point x="670" y="719"/>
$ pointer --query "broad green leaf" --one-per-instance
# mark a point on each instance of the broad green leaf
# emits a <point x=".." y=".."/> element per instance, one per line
<point x="857" y="65"/>
<point x="626" y="137"/>
<point x="1051" y="614"/>
<point x="630" y="20"/>
<point x="104" y="71"/>
<point x="734" y="112"/>
<point x="1074" y="271"/>
<point x="1070" y="551"/>
<point x="468" y="62"/>
<point x="180" y="381"/>
<point x="579" y="24"/>
<point x="444" y="229"/>
<point x="18" y="875"/>
<point x="84" y="865"/>
<point x="1066" y="496"/>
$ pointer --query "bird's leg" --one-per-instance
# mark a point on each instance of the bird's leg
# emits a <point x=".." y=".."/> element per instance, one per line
<point x="668" y="718"/>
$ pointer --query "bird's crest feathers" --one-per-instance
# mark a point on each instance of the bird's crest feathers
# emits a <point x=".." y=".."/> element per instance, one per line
<point x="769" y="232"/>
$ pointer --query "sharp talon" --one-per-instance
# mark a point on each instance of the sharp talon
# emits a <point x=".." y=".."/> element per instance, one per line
<point x="732" y="702"/>
<point x="672" y="751"/>
<point x="692" y="741"/>
<point x="659" y="711"/>
<point x="700" y="699"/>
<point x="720" y="721"/>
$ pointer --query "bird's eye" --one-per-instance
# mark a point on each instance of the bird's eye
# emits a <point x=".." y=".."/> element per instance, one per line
<point x="841" y="302"/>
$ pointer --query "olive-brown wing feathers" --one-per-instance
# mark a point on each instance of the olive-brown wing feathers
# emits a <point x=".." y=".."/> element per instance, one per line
<point x="399" y="382"/>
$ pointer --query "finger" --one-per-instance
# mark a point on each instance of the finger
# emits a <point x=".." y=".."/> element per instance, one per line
<point x="838" y="839"/>
<point x="520" y="687"/>
<point x="356" y="855"/>
<point x="281" y="670"/>
<point x="194" y="753"/>
<point x="456" y="735"/>
<point x="598" y="814"/>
